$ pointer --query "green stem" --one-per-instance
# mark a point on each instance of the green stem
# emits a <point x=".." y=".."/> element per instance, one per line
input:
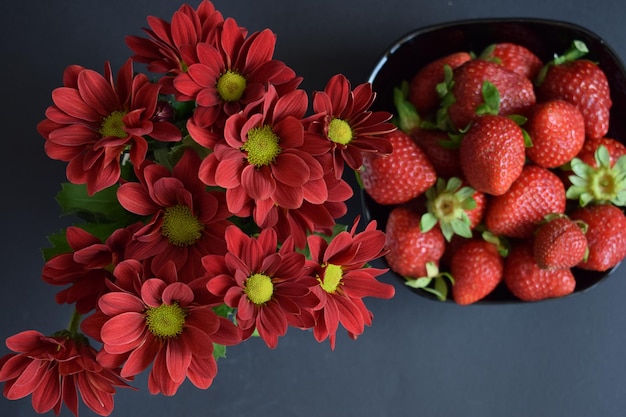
<point x="74" y="324"/>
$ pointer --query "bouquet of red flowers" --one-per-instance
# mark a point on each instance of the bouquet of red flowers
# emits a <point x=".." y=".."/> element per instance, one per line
<point x="207" y="202"/>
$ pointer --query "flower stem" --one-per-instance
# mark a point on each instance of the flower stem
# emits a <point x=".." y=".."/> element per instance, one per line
<point x="73" y="325"/>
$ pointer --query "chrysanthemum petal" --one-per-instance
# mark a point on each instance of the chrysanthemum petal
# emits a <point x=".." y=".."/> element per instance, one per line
<point x="115" y="303"/>
<point x="123" y="328"/>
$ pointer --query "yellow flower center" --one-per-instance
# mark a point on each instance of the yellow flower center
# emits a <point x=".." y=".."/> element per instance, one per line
<point x="332" y="278"/>
<point x="112" y="125"/>
<point x="339" y="131"/>
<point x="259" y="288"/>
<point x="180" y="226"/>
<point x="230" y="86"/>
<point x="262" y="146"/>
<point x="166" y="320"/>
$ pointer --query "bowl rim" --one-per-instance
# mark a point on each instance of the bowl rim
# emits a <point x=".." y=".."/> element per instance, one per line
<point x="410" y="35"/>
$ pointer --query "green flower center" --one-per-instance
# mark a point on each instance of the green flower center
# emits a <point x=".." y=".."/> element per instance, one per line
<point x="332" y="278"/>
<point x="112" y="125"/>
<point x="339" y="131"/>
<point x="259" y="288"/>
<point x="262" y="146"/>
<point x="166" y="320"/>
<point x="180" y="226"/>
<point x="230" y="86"/>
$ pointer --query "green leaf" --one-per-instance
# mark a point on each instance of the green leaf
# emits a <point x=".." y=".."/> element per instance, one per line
<point x="461" y="228"/>
<point x="491" y="99"/>
<point x="427" y="222"/>
<point x="219" y="351"/>
<point x="103" y="206"/>
<point x="418" y="282"/>
<point x="59" y="245"/>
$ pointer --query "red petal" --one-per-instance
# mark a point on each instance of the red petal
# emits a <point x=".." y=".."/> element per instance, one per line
<point x="115" y="303"/>
<point x="123" y="329"/>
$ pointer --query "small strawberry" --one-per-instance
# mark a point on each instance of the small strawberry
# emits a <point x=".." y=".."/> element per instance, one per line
<point x="492" y="154"/>
<point x="557" y="131"/>
<point x="606" y="235"/>
<point x="514" y="57"/>
<point x="423" y="85"/>
<point x="481" y="86"/>
<point x="603" y="181"/>
<point x="400" y="176"/>
<point x="455" y="207"/>
<point x="559" y="242"/>
<point x="410" y="248"/>
<point x="477" y="268"/>
<point x="581" y="82"/>
<point x="536" y="193"/>
<point x="528" y="282"/>
<point x="442" y="152"/>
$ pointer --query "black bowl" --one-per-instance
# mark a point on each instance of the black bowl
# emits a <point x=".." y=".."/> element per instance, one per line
<point x="544" y="37"/>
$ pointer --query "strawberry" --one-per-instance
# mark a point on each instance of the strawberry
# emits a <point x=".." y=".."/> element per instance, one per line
<point x="423" y="85"/>
<point x="587" y="153"/>
<point x="559" y="243"/>
<point x="514" y="57"/>
<point x="606" y="235"/>
<point x="455" y="207"/>
<point x="557" y="131"/>
<point x="410" y="249"/>
<point x="528" y="282"/>
<point x="441" y="151"/>
<point x="477" y="268"/>
<point x="400" y="176"/>
<point x="581" y="82"/>
<point x="492" y="154"/>
<point x="511" y="92"/>
<point x="536" y="193"/>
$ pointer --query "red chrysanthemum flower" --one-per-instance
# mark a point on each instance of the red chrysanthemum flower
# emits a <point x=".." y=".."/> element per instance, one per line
<point x="187" y="223"/>
<point x="55" y="370"/>
<point x="160" y="322"/>
<point x="344" y="279"/>
<point x="344" y="119"/>
<point x="95" y="119"/>
<point x="264" y="160"/>
<point x="171" y="47"/>
<point x="87" y="267"/>
<point x="266" y="285"/>
<point x="230" y="75"/>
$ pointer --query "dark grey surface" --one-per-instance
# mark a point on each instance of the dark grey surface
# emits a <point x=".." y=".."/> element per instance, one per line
<point x="421" y="357"/>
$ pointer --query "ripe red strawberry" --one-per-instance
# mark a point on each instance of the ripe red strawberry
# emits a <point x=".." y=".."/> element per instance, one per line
<point x="477" y="269"/>
<point x="423" y="85"/>
<point x="514" y="57"/>
<point x="587" y="153"/>
<point x="410" y="248"/>
<point x="515" y="92"/>
<point x="528" y="282"/>
<point x="559" y="243"/>
<point x="535" y="194"/>
<point x="444" y="158"/>
<point x="557" y="131"/>
<point x="606" y="235"/>
<point x="492" y="154"/>
<point x="581" y="82"/>
<point x="400" y="176"/>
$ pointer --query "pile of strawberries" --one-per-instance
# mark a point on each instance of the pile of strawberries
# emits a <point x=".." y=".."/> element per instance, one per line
<point x="502" y="174"/>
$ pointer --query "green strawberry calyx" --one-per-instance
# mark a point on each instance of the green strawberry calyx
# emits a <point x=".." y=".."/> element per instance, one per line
<point x="435" y="281"/>
<point x="447" y="205"/>
<point x="600" y="184"/>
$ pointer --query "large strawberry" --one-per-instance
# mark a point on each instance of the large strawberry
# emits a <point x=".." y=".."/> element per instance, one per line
<point x="400" y="176"/>
<point x="535" y="194"/>
<point x="423" y="85"/>
<point x="511" y="93"/>
<point x="528" y="282"/>
<point x="477" y="269"/>
<point x="514" y="57"/>
<point x="581" y="82"/>
<point x="557" y="131"/>
<point x="410" y="249"/>
<point x="615" y="148"/>
<point x="492" y="154"/>
<point x="606" y="235"/>
<point x="559" y="242"/>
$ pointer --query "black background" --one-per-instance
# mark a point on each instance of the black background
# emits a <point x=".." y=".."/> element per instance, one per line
<point x="421" y="357"/>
